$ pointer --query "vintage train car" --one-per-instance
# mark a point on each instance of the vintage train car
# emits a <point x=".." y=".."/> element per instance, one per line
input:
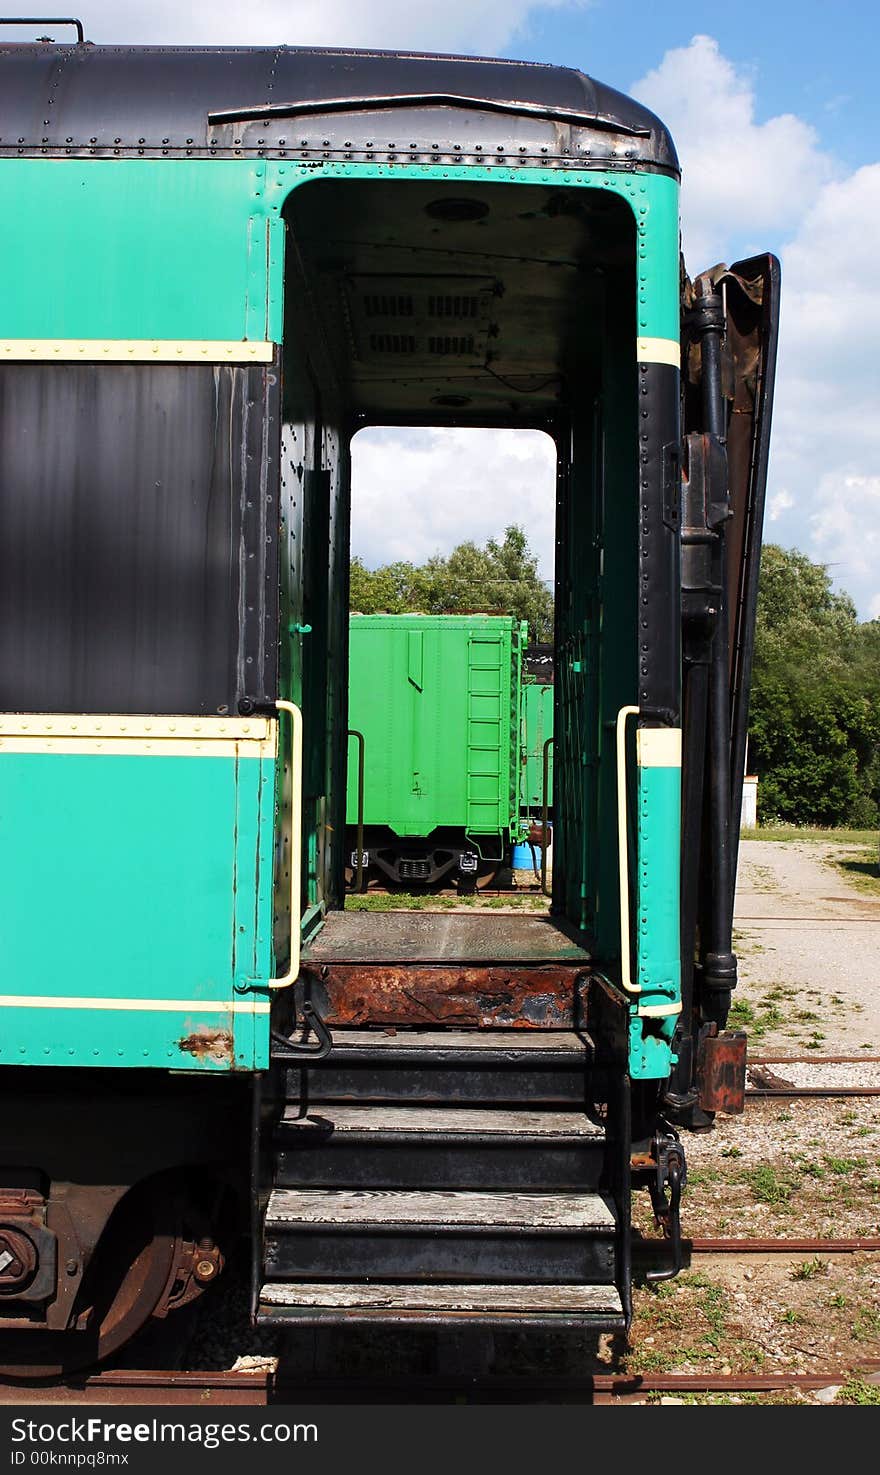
<point x="220" y="264"/>
<point x="434" y="705"/>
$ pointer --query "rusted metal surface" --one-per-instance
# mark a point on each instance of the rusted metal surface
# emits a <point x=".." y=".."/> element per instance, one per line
<point x="208" y="1044"/>
<point x="815" y="1060"/>
<point x="542" y="997"/>
<point x="782" y="1246"/>
<point x="619" y="1387"/>
<point x="721" y="1071"/>
<point x="788" y="1093"/>
<point x="136" y="1387"/>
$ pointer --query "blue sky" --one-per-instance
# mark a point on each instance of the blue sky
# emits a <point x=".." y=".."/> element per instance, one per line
<point x="818" y="61"/>
<point x="773" y="109"/>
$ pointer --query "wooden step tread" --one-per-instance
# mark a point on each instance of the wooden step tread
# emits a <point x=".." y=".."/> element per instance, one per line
<point x="489" y="1046"/>
<point x="346" y="1209"/>
<point x="426" y="1122"/>
<point x="453" y="1299"/>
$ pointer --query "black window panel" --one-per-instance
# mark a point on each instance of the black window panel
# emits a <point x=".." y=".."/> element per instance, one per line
<point x="138" y="538"/>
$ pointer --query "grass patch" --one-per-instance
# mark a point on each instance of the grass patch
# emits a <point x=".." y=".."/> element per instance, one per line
<point x="409" y="901"/>
<point x="768" y="1186"/>
<point x="786" y="833"/>
<point x="758" y="1019"/>
<point x="866" y="1327"/>
<point x="856" y="1390"/>
<point x="809" y="1269"/>
<point x="862" y="870"/>
<point x="843" y="1166"/>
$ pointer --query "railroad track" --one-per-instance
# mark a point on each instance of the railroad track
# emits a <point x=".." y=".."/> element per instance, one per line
<point x="261" y="1389"/>
<point x="764" y="1079"/>
<point x="136" y="1386"/>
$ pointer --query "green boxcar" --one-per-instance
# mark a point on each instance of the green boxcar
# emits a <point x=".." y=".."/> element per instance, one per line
<point x="536" y="727"/>
<point x="437" y="700"/>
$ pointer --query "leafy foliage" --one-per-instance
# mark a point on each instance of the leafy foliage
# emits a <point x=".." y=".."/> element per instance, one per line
<point x="500" y="578"/>
<point x="815" y="709"/>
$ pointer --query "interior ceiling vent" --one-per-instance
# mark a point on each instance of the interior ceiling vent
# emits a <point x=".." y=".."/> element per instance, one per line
<point x="451" y="344"/>
<point x="388" y="305"/>
<point x="453" y="306"/>
<point x="401" y="345"/>
<point x="420" y="317"/>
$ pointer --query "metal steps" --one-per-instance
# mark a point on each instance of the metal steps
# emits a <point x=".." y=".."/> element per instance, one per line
<point x="559" y="1306"/>
<point x="379" y="1146"/>
<point x="447" y="1177"/>
<point x="510" y="1066"/>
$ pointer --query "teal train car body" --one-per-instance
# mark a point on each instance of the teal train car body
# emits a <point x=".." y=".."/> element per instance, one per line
<point x="219" y="265"/>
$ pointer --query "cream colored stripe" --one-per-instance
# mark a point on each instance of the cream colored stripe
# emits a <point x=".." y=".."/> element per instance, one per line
<point x="166" y="1006"/>
<point x="165" y="737"/>
<point x="659" y="747"/>
<point x="111" y="724"/>
<point x="658" y="1011"/>
<point x="138" y="350"/>
<point x="142" y="747"/>
<point x="659" y="351"/>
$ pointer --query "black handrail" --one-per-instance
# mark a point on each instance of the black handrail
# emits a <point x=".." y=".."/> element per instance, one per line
<point x="46" y="20"/>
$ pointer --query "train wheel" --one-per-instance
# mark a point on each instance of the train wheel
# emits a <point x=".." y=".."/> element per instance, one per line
<point x="123" y="1286"/>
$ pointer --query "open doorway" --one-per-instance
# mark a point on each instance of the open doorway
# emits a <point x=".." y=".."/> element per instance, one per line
<point x="512" y="308"/>
<point x="448" y="598"/>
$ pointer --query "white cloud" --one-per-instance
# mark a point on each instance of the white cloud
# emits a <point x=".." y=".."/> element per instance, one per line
<point x="845" y="530"/>
<point x="741" y="178"/>
<point x="826" y="422"/>
<point x="419" y="492"/>
<point x="780" y="502"/>
<point x="456" y="25"/>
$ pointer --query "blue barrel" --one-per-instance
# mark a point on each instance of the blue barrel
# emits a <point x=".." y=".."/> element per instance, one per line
<point x="522" y="858"/>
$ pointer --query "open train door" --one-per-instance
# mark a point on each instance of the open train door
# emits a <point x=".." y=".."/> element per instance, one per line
<point x="730" y="318"/>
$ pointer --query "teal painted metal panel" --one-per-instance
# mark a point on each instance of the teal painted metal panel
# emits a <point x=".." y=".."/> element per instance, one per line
<point x="139" y="879"/>
<point x="134" y="248"/>
<point x="653" y="198"/>
<point x="657" y="920"/>
<point x="194" y="248"/>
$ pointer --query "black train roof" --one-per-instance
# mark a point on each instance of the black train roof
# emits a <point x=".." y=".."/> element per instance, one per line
<point x="73" y="99"/>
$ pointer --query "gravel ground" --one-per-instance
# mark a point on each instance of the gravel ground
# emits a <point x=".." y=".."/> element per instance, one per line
<point x="808" y="943"/>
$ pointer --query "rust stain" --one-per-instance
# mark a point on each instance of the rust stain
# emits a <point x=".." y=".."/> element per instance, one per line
<point x="208" y="1044"/>
<point x="721" y="1072"/>
<point x="537" y="997"/>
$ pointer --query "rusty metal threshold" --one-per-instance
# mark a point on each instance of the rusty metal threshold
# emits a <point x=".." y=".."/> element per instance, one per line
<point x="454" y="970"/>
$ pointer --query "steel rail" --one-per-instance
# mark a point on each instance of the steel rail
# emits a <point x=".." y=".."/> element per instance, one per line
<point x="136" y="1386"/>
<point x="793" y="1093"/>
<point x="814" y="1059"/>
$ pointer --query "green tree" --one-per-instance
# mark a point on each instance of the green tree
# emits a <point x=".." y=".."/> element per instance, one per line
<point x="499" y="578"/>
<point x="815" y="706"/>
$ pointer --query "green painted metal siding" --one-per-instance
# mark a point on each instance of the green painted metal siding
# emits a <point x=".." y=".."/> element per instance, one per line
<point x="134" y="878"/>
<point x="537" y="727"/>
<point x="435" y="697"/>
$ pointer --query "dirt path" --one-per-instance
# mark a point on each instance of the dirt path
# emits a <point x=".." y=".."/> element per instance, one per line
<point x="808" y="942"/>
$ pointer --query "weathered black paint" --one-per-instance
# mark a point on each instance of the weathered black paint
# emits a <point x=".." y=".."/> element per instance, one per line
<point x="137" y="557"/>
<point x="659" y="626"/>
<point x="118" y="100"/>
